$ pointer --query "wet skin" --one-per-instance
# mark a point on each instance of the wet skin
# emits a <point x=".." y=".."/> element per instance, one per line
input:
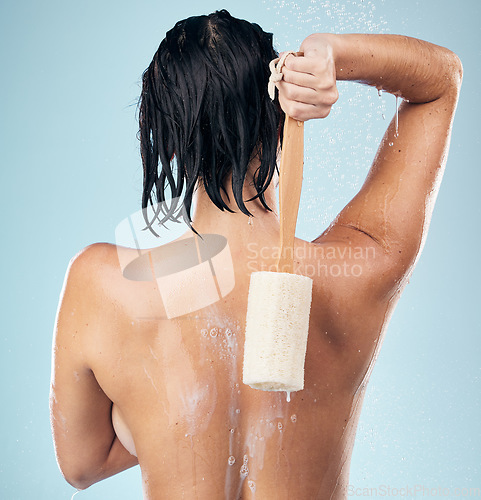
<point x="178" y="383"/>
<point x="189" y="411"/>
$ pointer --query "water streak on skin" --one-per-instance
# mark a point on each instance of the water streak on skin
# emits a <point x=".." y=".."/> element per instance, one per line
<point x="191" y="398"/>
<point x="396" y="134"/>
<point x="63" y="420"/>
<point x="229" y="351"/>
<point x="151" y="380"/>
<point x="253" y="448"/>
<point x="244" y="471"/>
<point x="218" y="341"/>
<point x="262" y="431"/>
<point x="153" y="353"/>
<point x="192" y="401"/>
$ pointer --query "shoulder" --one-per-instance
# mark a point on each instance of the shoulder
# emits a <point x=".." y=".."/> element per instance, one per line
<point x="97" y="254"/>
<point x="95" y="263"/>
<point x="88" y="275"/>
<point x="88" y="302"/>
<point x="102" y="257"/>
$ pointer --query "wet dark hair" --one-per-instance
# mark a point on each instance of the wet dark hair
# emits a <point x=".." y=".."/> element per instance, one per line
<point x="205" y="113"/>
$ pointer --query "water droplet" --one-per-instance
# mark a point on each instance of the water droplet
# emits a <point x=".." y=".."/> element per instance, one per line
<point x="228" y="332"/>
<point x="231" y="460"/>
<point x="250" y="221"/>
<point x="232" y="431"/>
<point x="391" y="143"/>
<point x="213" y="332"/>
<point x="288" y="397"/>
<point x="379" y="92"/>
<point x="252" y="485"/>
<point x="293" y="419"/>
<point x="279" y="425"/>
<point x="244" y="470"/>
<point x="237" y="410"/>
<point x="204" y="332"/>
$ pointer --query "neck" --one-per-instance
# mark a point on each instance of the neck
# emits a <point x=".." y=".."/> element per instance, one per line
<point x="207" y="218"/>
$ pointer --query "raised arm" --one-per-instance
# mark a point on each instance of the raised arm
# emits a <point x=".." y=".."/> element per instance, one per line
<point x="394" y="206"/>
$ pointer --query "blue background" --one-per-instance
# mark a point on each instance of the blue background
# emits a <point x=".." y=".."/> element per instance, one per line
<point x="71" y="171"/>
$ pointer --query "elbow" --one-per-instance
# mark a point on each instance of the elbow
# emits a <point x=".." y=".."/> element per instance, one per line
<point x="76" y="478"/>
<point x="74" y="470"/>
<point x="78" y="482"/>
<point x="458" y="69"/>
<point x="455" y="70"/>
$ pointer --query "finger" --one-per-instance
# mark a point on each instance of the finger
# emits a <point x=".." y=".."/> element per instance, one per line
<point x="301" y="79"/>
<point x="318" y="66"/>
<point x="302" y="111"/>
<point x="300" y="64"/>
<point x="317" y="96"/>
<point x="296" y="92"/>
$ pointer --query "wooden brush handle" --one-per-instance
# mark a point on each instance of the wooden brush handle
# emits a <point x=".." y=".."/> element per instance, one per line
<point x="290" y="184"/>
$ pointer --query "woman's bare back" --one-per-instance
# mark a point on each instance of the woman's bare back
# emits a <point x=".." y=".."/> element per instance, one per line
<point x="199" y="432"/>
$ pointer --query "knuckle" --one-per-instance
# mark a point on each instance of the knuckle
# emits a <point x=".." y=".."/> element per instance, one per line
<point x="322" y="85"/>
<point x="291" y="108"/>
<point x="295" y="111"/>
<point x="325" y="112"/>
<point x="335" y="95"/>
<point x="290" y="92"/>
<point x="287" y="74"/>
